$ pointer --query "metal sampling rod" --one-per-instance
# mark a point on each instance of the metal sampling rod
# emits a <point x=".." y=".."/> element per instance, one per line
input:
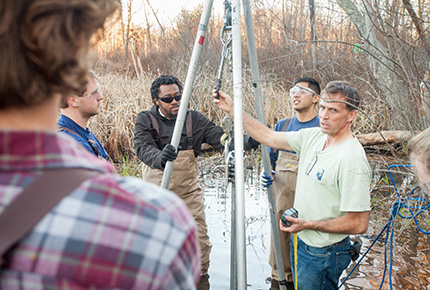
<point x="238" y="145"/>
<point x="180" y="119"/>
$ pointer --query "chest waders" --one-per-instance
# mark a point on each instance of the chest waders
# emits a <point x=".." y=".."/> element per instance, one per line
<point x="284" y="186"/>
<point x="186" y="184"/>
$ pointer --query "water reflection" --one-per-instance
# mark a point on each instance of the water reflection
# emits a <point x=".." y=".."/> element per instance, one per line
<point x="218" y="215"/>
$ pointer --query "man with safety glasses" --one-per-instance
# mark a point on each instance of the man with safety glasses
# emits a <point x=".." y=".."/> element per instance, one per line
<point x="152" y="137"/>
<point x="77" y="110"/>
<point x="332" y="194"/>
<point x="304" y="96"/>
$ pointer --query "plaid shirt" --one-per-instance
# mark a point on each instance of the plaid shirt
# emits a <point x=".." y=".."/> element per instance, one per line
<point x="111" y="232"/>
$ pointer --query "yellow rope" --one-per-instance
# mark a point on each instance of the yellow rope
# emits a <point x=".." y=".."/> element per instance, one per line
<point x="295" y="262"/>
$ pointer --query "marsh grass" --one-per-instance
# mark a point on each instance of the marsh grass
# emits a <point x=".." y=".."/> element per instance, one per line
<point x="125" y="96"/>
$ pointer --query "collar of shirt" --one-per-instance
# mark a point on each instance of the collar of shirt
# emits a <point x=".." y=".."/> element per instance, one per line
<point x="65" y="121"/>
<point x="159" y="111"/>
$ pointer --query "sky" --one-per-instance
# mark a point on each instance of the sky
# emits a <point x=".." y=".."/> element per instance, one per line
<point x="166" y="10"/>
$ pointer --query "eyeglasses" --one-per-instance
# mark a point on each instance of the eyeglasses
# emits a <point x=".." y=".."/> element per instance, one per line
<point x="93" y="94"/>
<point x="301" y="91"/>
<point x="170" y="99"/>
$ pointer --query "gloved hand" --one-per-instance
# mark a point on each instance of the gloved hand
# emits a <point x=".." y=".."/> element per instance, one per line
<point x="230" y="167"/>
<point x="168" y="154"/>
<point x="265" y="179"/>
<point x="250" y="143"/>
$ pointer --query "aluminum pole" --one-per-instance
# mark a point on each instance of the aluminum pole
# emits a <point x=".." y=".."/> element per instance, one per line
<point x="233" y="241"/>
<point x="238" y="145"/>
<point x="252" y="50"/>
<point x="180" y="119"/>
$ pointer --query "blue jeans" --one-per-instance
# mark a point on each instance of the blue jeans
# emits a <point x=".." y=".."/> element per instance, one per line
<point x="320" y="268"/>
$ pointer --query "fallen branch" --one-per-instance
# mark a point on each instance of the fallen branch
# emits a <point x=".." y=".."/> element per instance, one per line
<point x="390" y="137"/>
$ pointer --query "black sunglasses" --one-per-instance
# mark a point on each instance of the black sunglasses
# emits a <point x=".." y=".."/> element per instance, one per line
<point x="170" y="99"/>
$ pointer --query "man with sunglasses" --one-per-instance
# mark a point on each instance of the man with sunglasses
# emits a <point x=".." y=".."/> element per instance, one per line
<point x="332" y="194"/>
<point x="304" y="96"/>
<point x="76" y="111"/>
<point x="152" y="136"/>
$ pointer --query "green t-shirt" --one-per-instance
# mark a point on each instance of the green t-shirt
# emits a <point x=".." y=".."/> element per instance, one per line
<point x="330" y="183"/>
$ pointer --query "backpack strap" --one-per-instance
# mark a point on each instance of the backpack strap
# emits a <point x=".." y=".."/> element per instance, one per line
<point x="35" y="201"/>
<point x="92" y="143"/>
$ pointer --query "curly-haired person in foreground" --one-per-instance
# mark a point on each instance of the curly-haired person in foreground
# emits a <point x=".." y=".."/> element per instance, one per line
<point x="110" y="232"/>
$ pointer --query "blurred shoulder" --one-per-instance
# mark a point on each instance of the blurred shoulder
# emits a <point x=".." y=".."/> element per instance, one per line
<point x="134" y="194"/>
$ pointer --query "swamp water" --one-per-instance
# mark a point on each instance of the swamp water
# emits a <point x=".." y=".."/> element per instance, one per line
<point x="411" y="250"/>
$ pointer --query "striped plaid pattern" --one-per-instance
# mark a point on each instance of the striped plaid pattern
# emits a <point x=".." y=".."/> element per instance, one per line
<point x="111" y="232"/>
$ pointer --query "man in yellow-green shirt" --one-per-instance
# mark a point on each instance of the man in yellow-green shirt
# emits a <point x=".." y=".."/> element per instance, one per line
<point x="332" y="193"/>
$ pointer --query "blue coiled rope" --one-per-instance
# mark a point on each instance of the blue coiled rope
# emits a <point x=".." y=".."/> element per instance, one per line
<point x="397" y="206"/>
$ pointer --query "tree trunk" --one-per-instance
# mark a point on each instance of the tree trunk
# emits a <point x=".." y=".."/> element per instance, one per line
<point x="390" y="137"/>
<point x="389" y="74"/>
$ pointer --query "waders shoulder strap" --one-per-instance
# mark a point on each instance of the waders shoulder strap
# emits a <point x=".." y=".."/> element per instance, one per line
<point x="188" y="125"/>
<point x="35" y="201"/>
<point x="154" y="123"/>
<point x="156" y="134"/>
<point x="284" y="129"/>
<point x="287" y="122"/>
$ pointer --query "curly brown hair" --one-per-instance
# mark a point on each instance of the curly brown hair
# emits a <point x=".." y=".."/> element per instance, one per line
<point x="43" y="45"/>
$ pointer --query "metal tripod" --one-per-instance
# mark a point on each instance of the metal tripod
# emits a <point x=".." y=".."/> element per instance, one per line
<point x="238" y="281"/>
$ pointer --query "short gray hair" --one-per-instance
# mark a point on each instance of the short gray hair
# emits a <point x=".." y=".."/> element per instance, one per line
<point x="347" y="90"/>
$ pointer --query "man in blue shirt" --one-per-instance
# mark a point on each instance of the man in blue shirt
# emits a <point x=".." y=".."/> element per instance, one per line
<point x="304" y="97"/>
<point x="76" y="110"/>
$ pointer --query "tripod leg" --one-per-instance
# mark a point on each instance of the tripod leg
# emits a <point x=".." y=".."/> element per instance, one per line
<point x="252" y="50"/>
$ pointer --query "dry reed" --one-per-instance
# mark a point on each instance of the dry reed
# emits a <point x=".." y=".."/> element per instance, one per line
<point x="125" y="97"/>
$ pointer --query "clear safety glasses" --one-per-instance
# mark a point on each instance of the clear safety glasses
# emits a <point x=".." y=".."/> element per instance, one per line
<point x="301" y="91"/>
<point x="93" y="94"/>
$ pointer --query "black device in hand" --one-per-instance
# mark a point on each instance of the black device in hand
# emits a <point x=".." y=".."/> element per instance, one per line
<point x="290" y="212"/>
<point x="355" y="249"/>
